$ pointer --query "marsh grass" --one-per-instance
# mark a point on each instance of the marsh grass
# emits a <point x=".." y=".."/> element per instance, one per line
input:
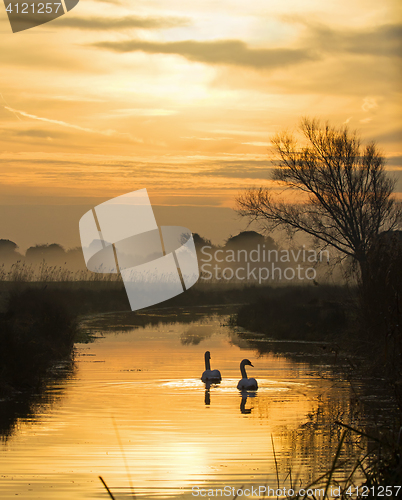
<point x="107" y="488"/>
<point x="22" y="271"/>
<point x="366" y="476"/>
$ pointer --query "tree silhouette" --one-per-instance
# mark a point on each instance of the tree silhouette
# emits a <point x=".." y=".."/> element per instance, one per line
<point x="51" y="254"/>
<point x="250" y="239"/>
<point x="8" y="246"/>
<point x="8" y="252"/>
<point x="348" y="197"/>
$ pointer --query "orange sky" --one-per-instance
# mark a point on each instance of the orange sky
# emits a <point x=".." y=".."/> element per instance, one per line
<point x="182" y="98"/>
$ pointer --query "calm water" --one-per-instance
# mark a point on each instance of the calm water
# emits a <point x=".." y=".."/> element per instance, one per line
<point x="135" y="412"/>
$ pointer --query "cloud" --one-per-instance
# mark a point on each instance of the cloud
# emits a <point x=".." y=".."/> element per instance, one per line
<point x="69" y="125"/>
<point x="83" y="167"/>
<point x="369" y="103"/>
<point x="385" y="40"/>
<point x="118" y="23"/>
<point x="318" y="43"/>
<point x="193" y="137"/>
<point x="259" y="144"/>
<point x="394" y="135"/>
<point x="48" y="120"/>
<point x="38" y="133"/>
<point x="394" y="161"/>
<point x="114" y="2"/>
<point x="142" y="112"/>
<point x="20" y="136"/>
<point x="231" y="52"/>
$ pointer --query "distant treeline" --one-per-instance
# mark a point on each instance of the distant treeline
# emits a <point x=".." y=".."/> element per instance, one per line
<point x="248" y="257"/>
<point x="53" y="254"/>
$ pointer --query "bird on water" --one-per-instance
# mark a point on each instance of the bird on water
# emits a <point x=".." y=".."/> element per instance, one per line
<point x="246" y="383"/>
<point x="210" y="375"/>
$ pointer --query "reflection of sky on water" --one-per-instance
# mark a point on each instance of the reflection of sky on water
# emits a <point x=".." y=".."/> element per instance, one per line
<point x="175" y="434"/>
<point x="224" y="386"/>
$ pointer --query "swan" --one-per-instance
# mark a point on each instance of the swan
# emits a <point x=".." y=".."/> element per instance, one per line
<point x="246" y="383"/>
<point x="210" y="375"/>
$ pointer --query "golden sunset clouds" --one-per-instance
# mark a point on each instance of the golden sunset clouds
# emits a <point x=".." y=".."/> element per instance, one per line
<point x="182" y="98"/>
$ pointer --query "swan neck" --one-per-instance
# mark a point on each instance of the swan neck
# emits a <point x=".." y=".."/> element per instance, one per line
<point x="243" y="370"/>
<point x="207" y="363"/>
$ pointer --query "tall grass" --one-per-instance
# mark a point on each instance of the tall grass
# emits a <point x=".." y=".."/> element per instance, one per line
<point x="26" y="272"/>
<point x="366" y="476"/>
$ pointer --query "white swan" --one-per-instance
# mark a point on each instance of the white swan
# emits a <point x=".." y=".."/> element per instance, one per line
<point x="210" y="375"/>
<point x="246" y="383"/>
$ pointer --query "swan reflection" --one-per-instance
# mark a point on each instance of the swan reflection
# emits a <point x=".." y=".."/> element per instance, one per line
<point x="244" y="396"/>
<point x="207" y="398"/>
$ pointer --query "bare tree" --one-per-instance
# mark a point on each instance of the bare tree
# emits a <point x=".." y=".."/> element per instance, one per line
<point x="348" y="196"/>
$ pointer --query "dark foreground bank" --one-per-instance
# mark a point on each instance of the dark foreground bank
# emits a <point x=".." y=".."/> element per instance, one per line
<point x="364" y="338"/>
<point x="36" y="331"/>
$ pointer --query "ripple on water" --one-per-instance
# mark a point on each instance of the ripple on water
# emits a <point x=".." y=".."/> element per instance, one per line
<point x="136" y="410"/>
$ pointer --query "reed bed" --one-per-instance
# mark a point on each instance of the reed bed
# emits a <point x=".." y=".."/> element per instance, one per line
<point x="376" y="473"/>
<point x="25" y="272"/>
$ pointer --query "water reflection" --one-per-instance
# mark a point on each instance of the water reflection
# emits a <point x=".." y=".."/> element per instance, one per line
<point x="27" y="406"/>
<point x="207" y="398"/>
<point x="174" y="431"/>
<point x="196" y="334"/>
<point x="244" y="396"/>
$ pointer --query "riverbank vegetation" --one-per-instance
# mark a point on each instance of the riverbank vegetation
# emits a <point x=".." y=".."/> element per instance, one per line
<point x="36" y="331"/>
<point x="345" y="201"/>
